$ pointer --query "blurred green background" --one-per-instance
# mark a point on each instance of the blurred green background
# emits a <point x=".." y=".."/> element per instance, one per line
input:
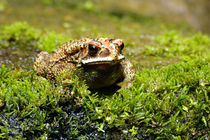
<point x="65" y="14"/>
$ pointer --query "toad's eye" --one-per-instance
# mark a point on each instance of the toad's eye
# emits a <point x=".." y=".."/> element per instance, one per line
<point x="92" y="50"/>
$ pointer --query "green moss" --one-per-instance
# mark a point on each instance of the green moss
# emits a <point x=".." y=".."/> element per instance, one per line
<point x="18" y="33"/>
<point x="170" y="102"/>
<point x="32" y="107"/>
<point x="171" y="44"/>
<point x="22" y="94"/>
<point x="51" y="41"/>
<point x="21" y="35"/>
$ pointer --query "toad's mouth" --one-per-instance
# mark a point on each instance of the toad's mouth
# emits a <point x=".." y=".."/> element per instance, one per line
<point x="104" y="60"/>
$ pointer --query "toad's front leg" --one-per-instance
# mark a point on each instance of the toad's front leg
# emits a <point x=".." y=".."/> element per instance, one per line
<point x="128" y="73"/>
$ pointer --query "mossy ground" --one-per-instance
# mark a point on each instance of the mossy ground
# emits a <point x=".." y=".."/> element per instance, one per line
<point x="169" y="98"/>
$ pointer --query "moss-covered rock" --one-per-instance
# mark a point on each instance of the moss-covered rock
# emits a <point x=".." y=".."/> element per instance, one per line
<point x="169" y="102"/>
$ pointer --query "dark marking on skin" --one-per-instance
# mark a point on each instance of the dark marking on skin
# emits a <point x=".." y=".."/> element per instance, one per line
<point x="110" y="40"/>
<point x="122" y="46"/>
<point x="100" y="43"/>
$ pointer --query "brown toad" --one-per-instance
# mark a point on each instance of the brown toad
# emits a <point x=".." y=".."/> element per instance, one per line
<point x="100" y="62"/>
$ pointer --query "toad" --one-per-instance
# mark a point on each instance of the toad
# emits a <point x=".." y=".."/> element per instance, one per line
<point x="99" y="62"/>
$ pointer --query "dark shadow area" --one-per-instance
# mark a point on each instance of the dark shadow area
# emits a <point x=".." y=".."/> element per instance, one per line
<point x="106" y="91"/>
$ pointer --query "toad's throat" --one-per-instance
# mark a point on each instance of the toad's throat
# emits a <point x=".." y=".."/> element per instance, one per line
<point x="104" y="60"/>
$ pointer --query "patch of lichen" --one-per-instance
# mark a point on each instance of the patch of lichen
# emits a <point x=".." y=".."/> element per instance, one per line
<point x="165" y="102"/>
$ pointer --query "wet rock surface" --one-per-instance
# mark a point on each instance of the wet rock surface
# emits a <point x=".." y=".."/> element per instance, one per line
<point x="17" y="57"/>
